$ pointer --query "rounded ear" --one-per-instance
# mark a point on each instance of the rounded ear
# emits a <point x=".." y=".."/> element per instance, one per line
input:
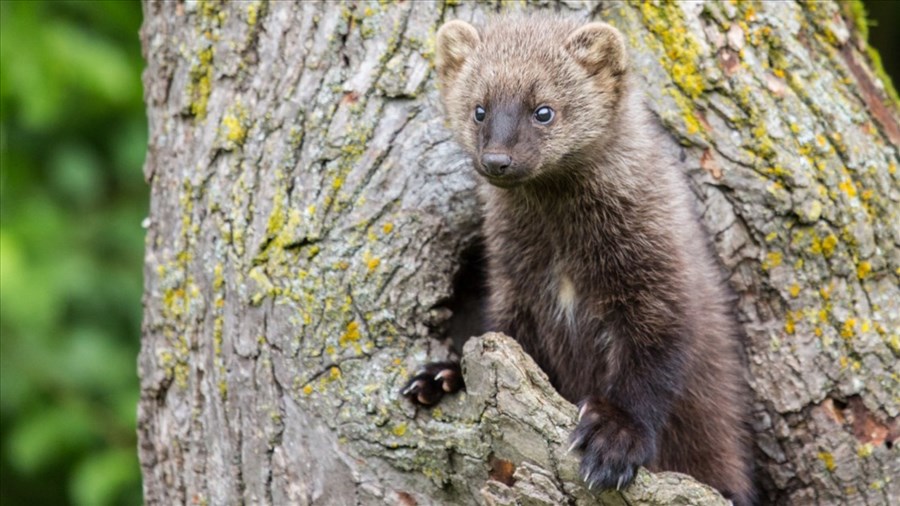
<point x="455" y="41"/>
<point x="597" y="46"/>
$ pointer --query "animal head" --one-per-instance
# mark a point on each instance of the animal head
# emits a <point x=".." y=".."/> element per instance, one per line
<point x="526" y="96"/>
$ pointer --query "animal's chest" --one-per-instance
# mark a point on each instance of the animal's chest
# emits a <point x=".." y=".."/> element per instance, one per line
<point x="551" y="289"/>
<point x="564" y="330"/>
<point x="556" y="288"/>
<point x="555" y="295"/>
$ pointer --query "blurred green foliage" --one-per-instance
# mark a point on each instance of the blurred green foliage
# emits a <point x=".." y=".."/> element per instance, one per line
<point x="883" y="17"/>
<point x="72" y="197"/>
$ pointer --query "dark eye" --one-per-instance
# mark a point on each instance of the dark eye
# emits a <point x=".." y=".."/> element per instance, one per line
<point x="479" y="113"/>
<point x="543" y="114"/>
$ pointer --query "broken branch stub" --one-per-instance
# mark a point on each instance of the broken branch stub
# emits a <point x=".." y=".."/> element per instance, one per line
<point x="527" y="424"/>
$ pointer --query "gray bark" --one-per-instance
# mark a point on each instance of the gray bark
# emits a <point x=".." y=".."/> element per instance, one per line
<point x="309" y="210"/>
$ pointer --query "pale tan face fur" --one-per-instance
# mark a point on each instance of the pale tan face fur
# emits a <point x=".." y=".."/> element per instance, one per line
<point x="513" y="68"/>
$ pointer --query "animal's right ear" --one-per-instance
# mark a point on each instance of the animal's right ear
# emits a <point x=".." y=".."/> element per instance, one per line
<point x="597" y="47"/>
<point x="455" y="41"/>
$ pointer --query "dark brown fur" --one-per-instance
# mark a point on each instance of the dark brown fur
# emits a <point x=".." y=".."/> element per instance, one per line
<point x="596" y="262"/>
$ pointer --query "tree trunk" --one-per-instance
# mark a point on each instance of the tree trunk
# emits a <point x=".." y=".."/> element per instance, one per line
<point x="310" y="211"/>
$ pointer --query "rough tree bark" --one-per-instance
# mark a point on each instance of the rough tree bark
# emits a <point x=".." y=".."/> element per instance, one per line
<point x="309" y="212"/>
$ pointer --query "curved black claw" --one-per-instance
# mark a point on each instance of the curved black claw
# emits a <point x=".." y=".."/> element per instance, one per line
<point x="612" y="445"/>
<point x="432" y="381"/>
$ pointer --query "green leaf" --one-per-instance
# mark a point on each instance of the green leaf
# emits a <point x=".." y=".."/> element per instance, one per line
<point x="104" y="477"/>
<point x="48" y="435"/>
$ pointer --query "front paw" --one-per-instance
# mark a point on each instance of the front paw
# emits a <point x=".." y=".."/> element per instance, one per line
<point x="612" y="444"/>
<point x="432" y="381"/>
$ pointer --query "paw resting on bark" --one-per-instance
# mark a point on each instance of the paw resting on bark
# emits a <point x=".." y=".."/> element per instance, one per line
<point x="611" y="443"/>
<point x="432" y="381"/>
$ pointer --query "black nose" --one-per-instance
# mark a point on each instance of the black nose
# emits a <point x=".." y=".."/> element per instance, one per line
<point x="495" y="163"/>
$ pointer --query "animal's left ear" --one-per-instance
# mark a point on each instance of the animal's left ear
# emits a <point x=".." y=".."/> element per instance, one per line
<point x="598" y="46"/>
